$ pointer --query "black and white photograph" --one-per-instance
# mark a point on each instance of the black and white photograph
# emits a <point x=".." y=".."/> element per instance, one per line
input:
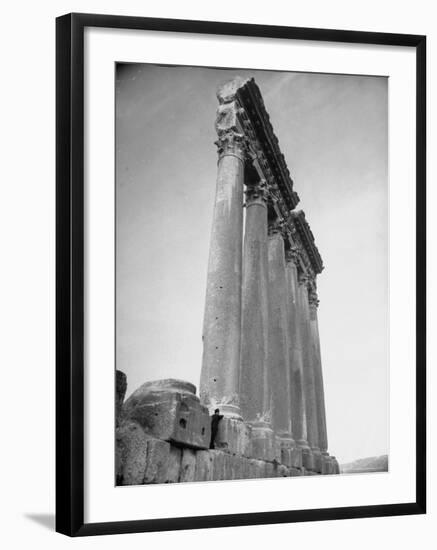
<point x="252" y="274"/>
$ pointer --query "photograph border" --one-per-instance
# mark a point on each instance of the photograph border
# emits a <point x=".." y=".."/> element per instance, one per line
<point x="70" y="290"/>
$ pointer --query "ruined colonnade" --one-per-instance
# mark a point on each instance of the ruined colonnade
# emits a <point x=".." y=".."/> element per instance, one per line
<point x="261" y="360"/>
<point x="261" y="352"/>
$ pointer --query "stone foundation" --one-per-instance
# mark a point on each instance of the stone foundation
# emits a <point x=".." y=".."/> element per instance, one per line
<point x="152" y="446"/>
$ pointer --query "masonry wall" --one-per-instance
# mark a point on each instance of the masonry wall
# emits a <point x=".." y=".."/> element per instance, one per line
<point x="163" y="435"/>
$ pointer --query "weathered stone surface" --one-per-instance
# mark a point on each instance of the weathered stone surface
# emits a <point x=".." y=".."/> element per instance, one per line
<point x="335" y="465"/>
<point x="318" y="374"/>
<point x="218" y="465"/>
<point x="299" y="421"/>
<point x="296" y="472"/>
<point x="269" y="469"/>
<point x="188" y="465"/>
<point x="204" y="466"/>
<point x="318" y="462"/>
<point x="227" y="91"/>
<point x="254" y="390"/>
<point x="256" y="468"/>
<point x="219" y="381"/>
<point x="170" y="410"/>
<point x="327" y="466"/>
<point x="278" y="351"/>
<point x="264" y="444"/>
<point x="158" y="461"/>
<point x="308" y="359"/>
<point x="277" y="449"/>
<point x="296" y="457"/>
<point x="282" y="471"/>
<point x="246" y="471"/>
<point x="236" y="465"/>
<point x="307" y="459"/>
<point x="286" y="457"/>
<point x="131" y="454"/>
<point x="174" y="465"/>
<point x="234" y="436"/>
<point x="120" y="392"/>
<point x="291" y="455"/>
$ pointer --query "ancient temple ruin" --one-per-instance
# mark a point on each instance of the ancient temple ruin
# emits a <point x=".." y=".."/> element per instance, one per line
<point x="261" y="362"/>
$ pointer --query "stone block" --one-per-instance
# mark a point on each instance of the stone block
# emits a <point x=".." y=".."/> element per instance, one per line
<point x="170" y="410"/>
<point x="188" y="465"/>
<point x="219" y="465"/>
<point x="257" y="468"/>
<point x="335" y="465"/>
<point x="269" y="470"/>
<point x="277" y="449"/>
<point x="282" y="471"/>
<point x="296" y="457"/>
<point x="120" y="392"/>
<point x="236" y="467"/>
<point x="158" y="461"/>
<point x="174" y="465"/>
<point x="131" y="454"/>
<point x="307" y="459"/>
<point x="318" y="462"/>
<point x="296" y="472"/>
<point x="245" y="468"/>
<point x="291" y="456"/>
<point x="234" y="436"/>
<point x="264" y="444"/>
<point x="286" y="456"/>
<point x="204" y="466"/>
<point x="327" y="466"/>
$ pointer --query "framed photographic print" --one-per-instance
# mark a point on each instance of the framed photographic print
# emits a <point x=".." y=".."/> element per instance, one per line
<point x="240" y="274"/>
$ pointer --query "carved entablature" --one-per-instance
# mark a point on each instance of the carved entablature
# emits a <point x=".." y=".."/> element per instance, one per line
<point x="313" y="297"/>
<point x="244" y="129"/>
<point x="241" y="109"/>
<point x="306" y="237"/>
<point x="292" y="254"/>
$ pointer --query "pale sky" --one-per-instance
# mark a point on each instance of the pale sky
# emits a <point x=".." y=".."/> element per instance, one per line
<point x="332" y="130"/>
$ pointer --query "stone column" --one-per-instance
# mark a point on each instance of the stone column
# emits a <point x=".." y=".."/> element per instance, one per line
<point x="298" y="404"/>
<point x="279" y="373"/>
<point x="318" y="374"/>
<point x="254" y="389"/>
<point x="308" y="370"/>
<point x="254" y="382"/>
<point x="219" y="382"/>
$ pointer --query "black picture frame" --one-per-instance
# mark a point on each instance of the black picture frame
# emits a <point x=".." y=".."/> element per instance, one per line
<point x="70" y="273"/>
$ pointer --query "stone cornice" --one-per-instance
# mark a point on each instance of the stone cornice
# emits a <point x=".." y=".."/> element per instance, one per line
<point x="254" y="121"/>
<point x="306" y="237"/>
<point x="242" y="112"/>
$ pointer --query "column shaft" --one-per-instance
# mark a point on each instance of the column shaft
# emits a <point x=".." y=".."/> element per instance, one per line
<point x="318" y="377"/>
<point x="254" y="389"/>
<point x="308" y="370"/>
<point x="279" y="373"/>
<point x="222" y="321"/>
<point x="297" y="391"/>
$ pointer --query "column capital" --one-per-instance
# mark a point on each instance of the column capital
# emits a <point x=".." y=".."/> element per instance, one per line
<point x="302" y="279"/>
<point x="232" y="143"/>
<point x="275" y="227"/>
<point x="292" y="255"/>
<point x="257" y="193"/>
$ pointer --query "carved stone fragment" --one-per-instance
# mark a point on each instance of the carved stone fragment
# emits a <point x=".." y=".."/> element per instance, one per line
<point x="170" y="410"/>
